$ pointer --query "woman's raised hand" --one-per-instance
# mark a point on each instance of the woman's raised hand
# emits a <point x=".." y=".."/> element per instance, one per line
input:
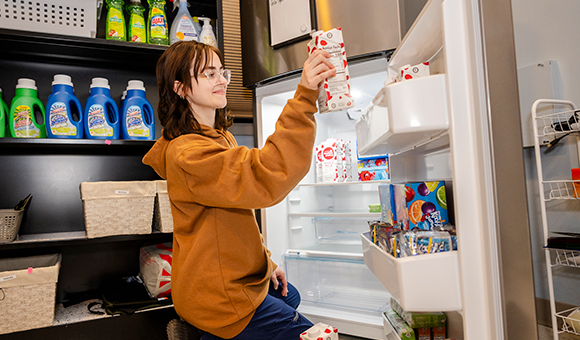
<point x="316" y="68"/>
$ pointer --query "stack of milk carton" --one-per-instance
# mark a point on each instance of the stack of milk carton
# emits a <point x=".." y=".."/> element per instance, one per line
<point x="333" y="161"/>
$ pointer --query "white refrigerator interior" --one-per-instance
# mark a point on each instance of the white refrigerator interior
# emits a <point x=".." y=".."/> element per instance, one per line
<point x="434" y="128"/>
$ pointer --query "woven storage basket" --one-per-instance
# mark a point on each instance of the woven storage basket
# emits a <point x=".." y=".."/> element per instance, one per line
<point x="28" y="292"/>
<point x="118" y="208"/>
<point x="10" y="220"/>
<point x="162" y="218"/>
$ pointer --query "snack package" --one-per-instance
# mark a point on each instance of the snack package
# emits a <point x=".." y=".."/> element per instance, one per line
<point x="334" y="92"/>
<point x="408" y="72"/>
<point x="320" y="331"/>
<point x="420" y="319"/>
<point x="387" y="199"/>
<point x="155" y="268"/>
<point x="431" y="242"/>
<point x="401" y="327"/>
<point x="373" y="168"/>
<point x="426" y="205"/>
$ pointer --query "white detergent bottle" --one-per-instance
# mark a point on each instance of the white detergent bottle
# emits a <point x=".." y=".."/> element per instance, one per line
<point x="207" y="37"/>
<point x="183" y="27"/>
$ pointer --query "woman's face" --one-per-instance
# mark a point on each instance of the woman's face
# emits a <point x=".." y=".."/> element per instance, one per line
<point x="209" y="93"/>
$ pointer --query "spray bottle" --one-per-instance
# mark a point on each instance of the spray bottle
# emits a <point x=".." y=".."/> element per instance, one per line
<point x="101" y="117"/>
<point x="137" y="119"/>
<point x="116" y="21"/>
<point x="137" y="28"/>
<point x="26" y="119"/>
<point x="207" y="37"/>
<point x="64" y="110"/>
<point x="157" y="31"/>
<point x="183" y="27"/>
<point x="3" y="113"/>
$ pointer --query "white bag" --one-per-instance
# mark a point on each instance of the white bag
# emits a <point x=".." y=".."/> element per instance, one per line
<point x="155" y="268"/>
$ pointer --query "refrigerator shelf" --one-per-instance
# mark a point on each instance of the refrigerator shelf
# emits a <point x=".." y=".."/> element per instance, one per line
<point x="570" y="319"/>
<point x="397" y="121"/>
<point x="406" y="278"/>
<point x="351" y="297"/>
<point x="342" y="213"/>
<point x="567" y="258"/>
<point x="342" y="183"/>
<point x="561" y="190"/>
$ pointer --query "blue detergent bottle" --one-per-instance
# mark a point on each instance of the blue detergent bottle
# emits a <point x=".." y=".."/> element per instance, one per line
<point x="137" y="120"/>
<point x="101" y="117"/>
<point x="63" y="110"/>
<point x="3" y="113"/>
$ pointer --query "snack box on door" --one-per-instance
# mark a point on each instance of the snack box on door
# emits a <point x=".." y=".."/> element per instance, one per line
<point x="419" y="319"/>
<point x="426" y="205"/>
<point x="320" y="331"/>
<point x="400" y="326"/>
<point x="387" y="199"/>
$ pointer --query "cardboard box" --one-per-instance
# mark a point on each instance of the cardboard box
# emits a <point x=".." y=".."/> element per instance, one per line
<point x="426" y="205"/>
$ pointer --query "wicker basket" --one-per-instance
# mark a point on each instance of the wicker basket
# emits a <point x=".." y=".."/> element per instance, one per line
<point x="162" y="218"/>
<point x="28" y="292"/>
<point x="118" y="208"/>
<point x="10" y="220"/>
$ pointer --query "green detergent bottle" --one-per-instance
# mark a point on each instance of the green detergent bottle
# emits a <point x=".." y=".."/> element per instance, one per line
<point x="157" y="31"/>
<point x="137" y="28"/>
<point x="116" y="21"/>
<point x="26" y="118"/>
<point x="3" y="113"/>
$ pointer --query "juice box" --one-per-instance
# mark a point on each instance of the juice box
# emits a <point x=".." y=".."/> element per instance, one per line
<point x="401" y="327"/>
<point x="334" y="94"/>
<point x="423" y="333"/>
<point x="373" y="168"/>
<point x="426" y="205"/>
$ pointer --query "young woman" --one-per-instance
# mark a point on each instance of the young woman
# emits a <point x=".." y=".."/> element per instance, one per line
<point x="223" y="280"/>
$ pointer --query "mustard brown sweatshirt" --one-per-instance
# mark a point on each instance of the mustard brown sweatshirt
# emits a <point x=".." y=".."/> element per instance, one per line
<point x="221" y="269"/>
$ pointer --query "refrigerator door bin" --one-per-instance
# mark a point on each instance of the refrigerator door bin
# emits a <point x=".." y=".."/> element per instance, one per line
<point x="416" y="111"/>
<point x="406" y="278"/>
<point x="336" y="283"/>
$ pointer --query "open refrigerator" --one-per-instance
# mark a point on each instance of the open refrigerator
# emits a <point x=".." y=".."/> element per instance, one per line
<point x="434" y="129"/>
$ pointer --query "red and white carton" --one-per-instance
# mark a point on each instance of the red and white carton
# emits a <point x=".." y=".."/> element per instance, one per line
<point x="409" y="72"/>
<point x="319" y="164"/>
<point x="320" y="331"/>
<point x="334" y="92"/>
<point x="332" y="165"/>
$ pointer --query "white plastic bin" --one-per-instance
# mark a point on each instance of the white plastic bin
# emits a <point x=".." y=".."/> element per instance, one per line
<point x="66" y="17"/>
<point x="423" y="283"/>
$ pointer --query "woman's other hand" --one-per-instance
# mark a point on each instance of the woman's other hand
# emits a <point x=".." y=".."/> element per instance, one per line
<point x="279" y="276"/>
<point x="316" y="68"/>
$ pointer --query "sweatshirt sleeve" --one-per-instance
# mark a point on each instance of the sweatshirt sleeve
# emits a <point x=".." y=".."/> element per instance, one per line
<point x="254" y="178"/>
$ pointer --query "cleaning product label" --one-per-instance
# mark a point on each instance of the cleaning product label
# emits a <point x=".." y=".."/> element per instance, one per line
<point x="23" y="123"/>
<point x="138" y="28"/>
<point x="59" y="123"/>
<point x="115" y="23"/>
<point x="158" y="24"/>
<point x="185" y="30"/>
<point x="134" y="122"/>
<point x="209" y="40"/>
<point x="98" y="125"/>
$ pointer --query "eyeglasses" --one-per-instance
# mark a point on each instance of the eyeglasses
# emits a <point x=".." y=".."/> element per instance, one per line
<point x="214" y="76"/>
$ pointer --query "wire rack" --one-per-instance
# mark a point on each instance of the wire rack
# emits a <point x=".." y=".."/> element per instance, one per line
<point x="570" y="320"/>
<point x="567" y="258"/>
<point x="559" y="123"/>
<point x="562" y="190"/>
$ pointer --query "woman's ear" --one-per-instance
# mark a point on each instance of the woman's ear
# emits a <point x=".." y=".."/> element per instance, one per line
<point x="178" y="88"/>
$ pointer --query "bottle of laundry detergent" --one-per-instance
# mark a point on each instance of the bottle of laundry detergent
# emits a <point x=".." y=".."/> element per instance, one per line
<point x="183" y="27"/>
<point x="137" y="27"/>
<point x="116" y="29"/>
<point x="101" y="117"/>
<point x="63" y="110"/>
<point x="26" y="118"/>
<point x="157" y="31"/>
<point x="137" y="119"/>
<point x="206" y="36"/>
<point x="3" y="113"/>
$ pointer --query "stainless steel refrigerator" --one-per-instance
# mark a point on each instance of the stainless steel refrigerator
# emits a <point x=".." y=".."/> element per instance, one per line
<point x="460" y="124"/>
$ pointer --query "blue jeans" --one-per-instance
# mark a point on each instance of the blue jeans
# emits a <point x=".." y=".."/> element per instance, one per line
<point x="275" y="319"/>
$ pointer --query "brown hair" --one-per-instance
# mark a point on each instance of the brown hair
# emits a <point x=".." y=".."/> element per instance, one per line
<point x="175" y="64"/>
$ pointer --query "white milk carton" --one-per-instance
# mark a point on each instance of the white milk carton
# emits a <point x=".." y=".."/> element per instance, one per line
<point x="320" y="331"/>
<point x="408" y="72"/>
<point x="332" y="165"/>
<point x="334" y="92"/>
<point x="319" y="163"/>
